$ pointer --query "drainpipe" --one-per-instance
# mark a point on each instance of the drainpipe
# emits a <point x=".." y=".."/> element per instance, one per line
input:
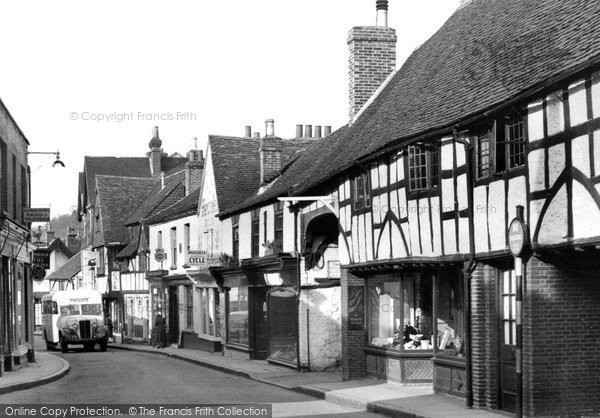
<point x="295" y="209"/>
<point x="468" y="269"/>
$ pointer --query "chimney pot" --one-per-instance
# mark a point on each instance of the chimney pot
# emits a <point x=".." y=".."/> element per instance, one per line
<point x="248" y="133"/>
<point x="299" y="131"/>
<point x="382" y="13"/>
<point x="270" y="127"/>
<point x="308" y="131"/>
<point x="327" y="130"/>
<point x="317" y="131"/>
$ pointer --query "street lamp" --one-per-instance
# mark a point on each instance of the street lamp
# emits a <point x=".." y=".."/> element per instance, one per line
<point x="56" y="162"/>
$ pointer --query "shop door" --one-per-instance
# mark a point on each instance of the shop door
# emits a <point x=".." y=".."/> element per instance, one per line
<point x="508" y="341"/>
<point x="283" y="326"/>
<point x="173" y="315"/>
<point x="259" y="337"/>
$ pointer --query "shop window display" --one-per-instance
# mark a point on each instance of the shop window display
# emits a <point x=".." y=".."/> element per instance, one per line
<point x="237" y="327"/>
<point x="450" y="316"/>
<point x="400" y="311"/>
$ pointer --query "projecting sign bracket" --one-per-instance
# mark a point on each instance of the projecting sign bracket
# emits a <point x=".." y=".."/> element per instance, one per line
<point x="328" y="201"/>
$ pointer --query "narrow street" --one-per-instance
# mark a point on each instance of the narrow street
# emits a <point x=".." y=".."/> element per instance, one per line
<point x="124" y="377"/>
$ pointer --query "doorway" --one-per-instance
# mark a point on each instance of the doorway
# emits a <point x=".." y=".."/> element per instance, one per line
<point x="507" y="340"/>
<point x="173" y="315"/>
<point x="258" y="328"/>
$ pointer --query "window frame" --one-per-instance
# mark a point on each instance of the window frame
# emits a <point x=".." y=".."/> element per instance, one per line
<point x="361" y="201"/>
<point x="255" y="234"/>
<point x="431" y="167"/>
<point x="235" y="238"/>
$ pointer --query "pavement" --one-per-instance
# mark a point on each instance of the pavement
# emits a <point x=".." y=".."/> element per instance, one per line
<point x="373" y="395"/>
<point x="47" y="368"/>
<point x="392" y="399"/>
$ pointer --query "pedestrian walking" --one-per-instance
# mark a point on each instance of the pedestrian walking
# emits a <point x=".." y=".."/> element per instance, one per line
<point x="160" y="331"/>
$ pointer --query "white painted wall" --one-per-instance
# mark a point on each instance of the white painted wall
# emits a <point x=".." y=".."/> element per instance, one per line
<point x="166" y="243"/>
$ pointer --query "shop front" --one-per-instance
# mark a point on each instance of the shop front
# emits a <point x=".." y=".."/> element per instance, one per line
<point x="166" y="300"/>
<point x="261" y="302"/>
<point x="414" y="324"/>
<point x="204" y="307"/>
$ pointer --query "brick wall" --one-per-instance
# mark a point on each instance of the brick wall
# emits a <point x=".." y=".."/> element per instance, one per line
<point x="484" y="339"/>
<point x="372" y="58"/>
<point x="354" y="360"/>
<point x="561" y="340"/>
<point x="193" y="176"/>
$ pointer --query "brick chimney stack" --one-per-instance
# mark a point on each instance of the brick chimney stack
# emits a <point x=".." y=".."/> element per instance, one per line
<point x="193" y="170"/>
<point x="156" y="153"/>
<point x="73" y="242"/>
<point x="270" y="154"/>
<point x="372" y="58"/>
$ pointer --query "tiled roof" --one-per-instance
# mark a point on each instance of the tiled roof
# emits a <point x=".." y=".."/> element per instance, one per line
<point x="68" y="270"/>
<point x="58" y="244"/>
<point x="185" y="207"/>
<point x="302" y="169"/>
<point x="130" y="249"/>
<point x="118" y="198"/>
<point x="488" y="53"/>
<point x="237" y="167"/>
<point x="160" y="198"/>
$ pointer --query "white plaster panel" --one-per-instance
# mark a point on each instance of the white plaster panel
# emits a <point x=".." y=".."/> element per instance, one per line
<point x="496" y="215"/>
<point x="535" y="208"/>
<point x="374" y="178"/>
<point x="424" y="212"/>
<point x="436" y="226"/>
<point x="556" y="162"/>
<point x="400" y="166"/>
<point x="554" y="223"/>
<point x="517" y="195"/>
<point x="394" y="203"/>
<point x="341" y="191"/>
<point x="463" y="235"/>
<point x="447" y="156"/>
<point x="555" y="114"/>
<point x="578" y="103"/>
<point x="355" y="239"/>
<point x="597" y="153"/>
<point x="393" y="172"/>
<point x="344" y="249"/>
<point x="450" y="236"/>
<point x="405" y="227"/>
<point x="596" y="94"/>
<point x="447" y="195"/>
<point x="383" y="180"/>
<point x="384" y="207"/>
<point x="362" y="248"/>
<point x="398" y="249"/>
<point x="480" y="219"/>
<point x="383" y="243"/>
<point x="413" y="227"/>
<point x="586" y="215"/>
<point x="342" y="218"/>
<point x="376" y="208"/>
<point x="369" y="238"/>
<point x="537" y="177"/>
<point x="402" y="204"/>
<point x="461" y="155"/>
<point x="535" y="121"/>
<point x="461" y="192"/>
<point x="347" y="188"/>
<point x="580" y="153"/>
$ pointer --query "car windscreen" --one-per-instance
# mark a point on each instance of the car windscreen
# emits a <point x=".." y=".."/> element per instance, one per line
<point x="91" y="309"/>
<point x="70" y="310"/>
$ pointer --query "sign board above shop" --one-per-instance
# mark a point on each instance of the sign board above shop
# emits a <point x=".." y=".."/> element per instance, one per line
<point x="36" y="214"/>
<point x="201" y="258"/>
<point x="41" y="258"/>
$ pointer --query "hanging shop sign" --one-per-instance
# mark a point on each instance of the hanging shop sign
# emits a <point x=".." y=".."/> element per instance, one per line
<point x="38" y="273"/>
<point x="41" y="258"/>
<point x="36" y="214"/>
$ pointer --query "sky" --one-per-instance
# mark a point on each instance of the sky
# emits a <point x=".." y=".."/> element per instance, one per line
<point x="94" y="77"/>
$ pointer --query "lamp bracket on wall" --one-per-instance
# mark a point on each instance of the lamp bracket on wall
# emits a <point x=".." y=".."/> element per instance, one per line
<point x="56" y="153"/>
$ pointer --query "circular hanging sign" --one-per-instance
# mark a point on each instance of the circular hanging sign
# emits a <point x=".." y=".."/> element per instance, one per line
<point x="38" y="273"/>
<point x="516" y="237"/>
<point x="160" y="256"/>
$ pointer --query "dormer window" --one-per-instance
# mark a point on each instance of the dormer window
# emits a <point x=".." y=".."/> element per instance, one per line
<point x="423" y="167"/>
